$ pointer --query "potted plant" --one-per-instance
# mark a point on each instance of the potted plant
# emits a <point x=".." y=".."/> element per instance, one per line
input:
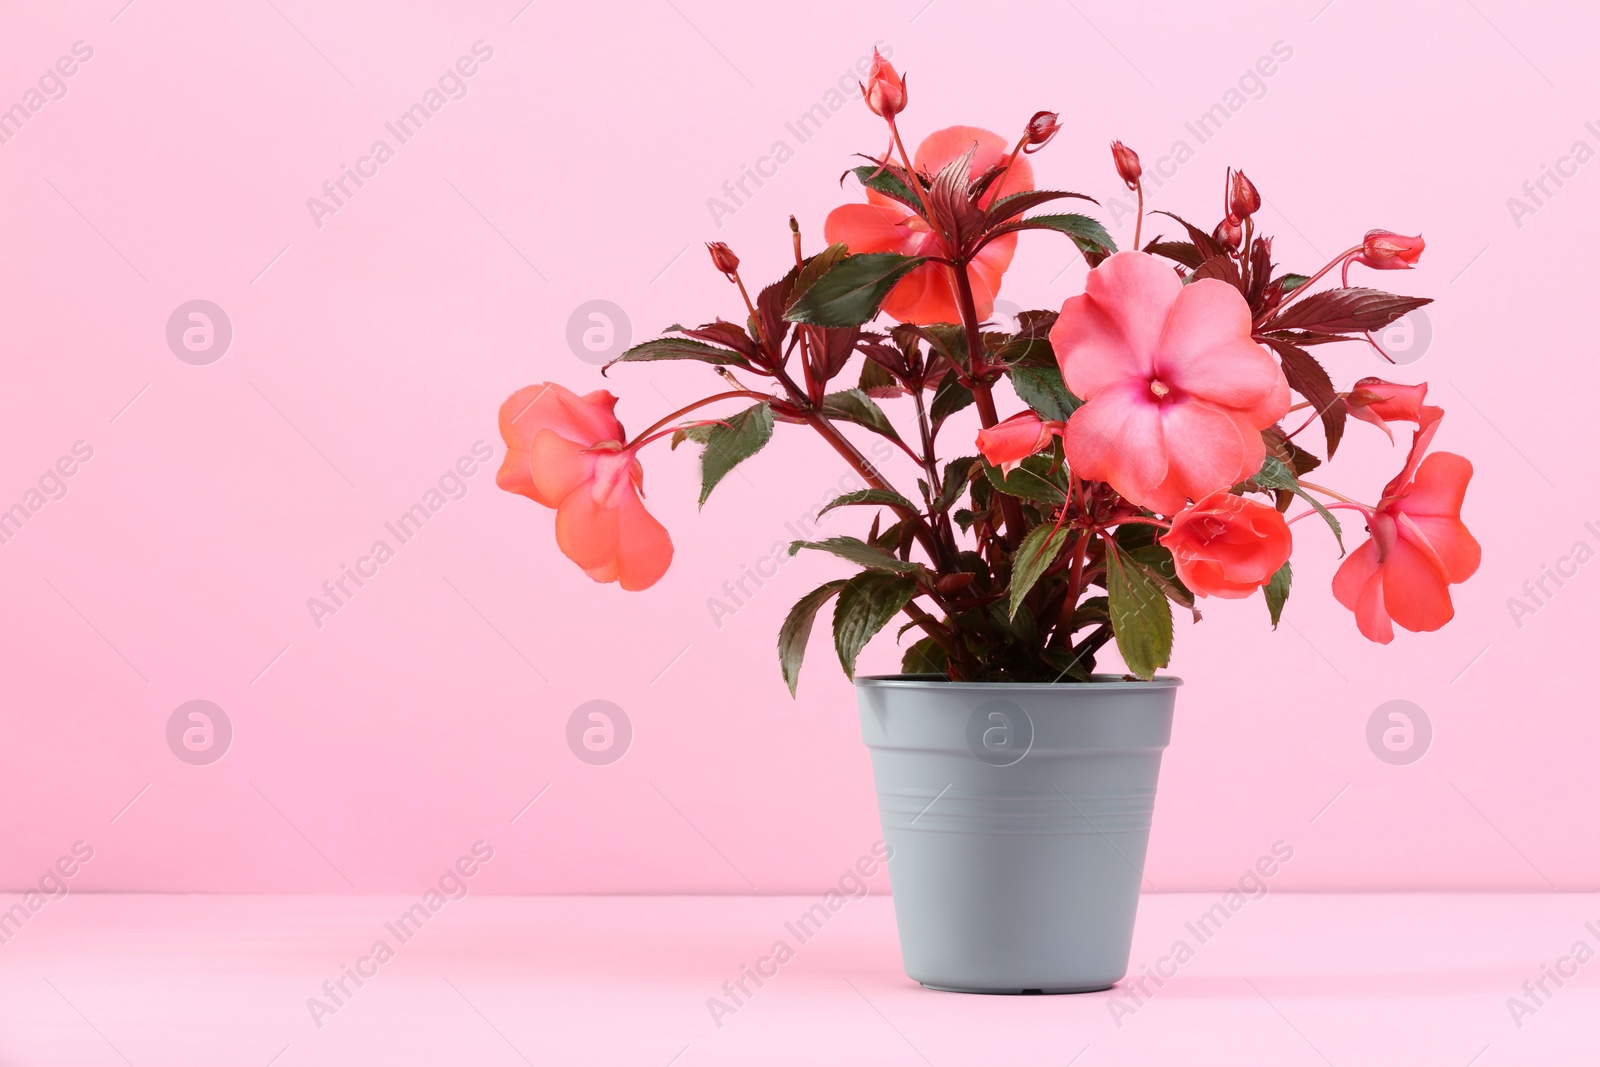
<point x="1151" y="464"/>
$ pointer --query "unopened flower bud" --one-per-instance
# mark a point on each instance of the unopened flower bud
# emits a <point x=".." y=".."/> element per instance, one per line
<point x="722" y="257"/>
<point x="1243" y="200"/>
<point x="1041" y="128"/>
<point x="1383" y="250"/>
<point x="1127" y="161"/>
<point x="953" y="583"/>
<point x="885" y="91"/>
<point x="1230" y="231"/>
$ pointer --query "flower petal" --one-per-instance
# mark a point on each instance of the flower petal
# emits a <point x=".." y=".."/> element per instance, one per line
<point x="1358" y="585"/>
<point x="1117" y="437"/>
<point x="1209" y="450"/>
<point x="1111" y="331"/>
<point x="1206" y="350"/>
<point x="1416" y="591"/>
<point x="869" y="228"/>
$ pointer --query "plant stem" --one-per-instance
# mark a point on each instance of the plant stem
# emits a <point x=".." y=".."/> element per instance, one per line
<point x="1306" y="287"/>
<point x="729" y="395"/>
<point x="981" y="395"/>
<point x="1138" y="219"/>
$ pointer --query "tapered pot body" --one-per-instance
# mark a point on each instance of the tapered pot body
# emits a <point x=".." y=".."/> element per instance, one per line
<point x="1017" y="816"/>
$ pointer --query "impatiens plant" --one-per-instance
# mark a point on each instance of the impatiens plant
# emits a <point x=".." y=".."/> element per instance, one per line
<point x="1149" y="466"/>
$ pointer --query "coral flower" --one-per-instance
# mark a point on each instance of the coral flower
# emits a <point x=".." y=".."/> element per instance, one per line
<point x="1177" y="393"/>
<point x="1386" y="250"/>
<point x="1227" y="546"/>
<point x="1380" y="403"/>
<point x="882" y="224"/>
<point x="566" y="452"/>
<point x="1418" y="549"/>
<point x="1008" y="443"/>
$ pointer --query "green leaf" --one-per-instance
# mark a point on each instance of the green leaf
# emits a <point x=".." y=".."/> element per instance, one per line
<point x="1155" y="560"/>
<point x="1033" y="557"/>
<point x="887" y="497"/>
<point x="957" y="472"/>
<point x="1140" y="615"/>
<point x="729" y="445"/>
<point x="858" y="551"/>
<point x="1090" y="237"/>
<point x="1275" y="474"/>
<point x="1291" y="282"/>
<point x="855" y="406"/>
<point x="887" y="183"/>
<point x="1277" y="591"/>
<point x="925" y="657"/>
<point x="1025" y="483"/>
<point x="680" y="348"/>
<point x="796" y="630"/>
<point x="866" y="604"/>
<point x="949" y="398"/>
<point x="849" y="292"/>
<point x="1043" y="389"/>
<point x="815" y="267"/>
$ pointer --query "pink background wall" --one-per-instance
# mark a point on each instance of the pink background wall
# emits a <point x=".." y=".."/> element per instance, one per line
<point x="369" y="353"/>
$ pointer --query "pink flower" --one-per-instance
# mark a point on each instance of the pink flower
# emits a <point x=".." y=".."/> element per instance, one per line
<point x="1177" y="393"/>
<point x="1418" y="549"/>
<point x="1383" y="250"/>
<point x="1228" y="546"/>
<point x="566" y="452"/>
<point x="882" y="224"/>
<point x="1008" y="443"/>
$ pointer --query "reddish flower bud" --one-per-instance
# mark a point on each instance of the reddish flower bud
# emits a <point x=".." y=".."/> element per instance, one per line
<point x="954" y="583"/>
<point x="1127" y="161"/>
<point x="1041" y="128"/>
<point x="1243" y="200"/>
<point x="722" y="257"/>
<point x="1230" y="231"/>
<point x="1383" y="250"/>
<point x="885" y="91"/>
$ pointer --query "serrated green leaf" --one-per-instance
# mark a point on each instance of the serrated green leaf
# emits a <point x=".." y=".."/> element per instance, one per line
<point x="796" y="630"/>
<point x="853" y="405"/>
<point x="1025" y="483"/>
<point x="887" y="183"/>
<point x="850" y="292"/>
<point x="886" y="497"/>
<point x="1090" y="237"/>
<point x="1277" y="592"/>
<point x="957" y="472"/>
<point x="858" y="551"/>
<point x="866" y="604"/>
<point x="1141" y="618"/>
<point x="949" y="398"/>
<point x="815" y="267"/>
<point x="681" y="348"/>
<point x="728" y="445"/>
<point x="1043" y="389"/>
<point x="1033" y="557"/>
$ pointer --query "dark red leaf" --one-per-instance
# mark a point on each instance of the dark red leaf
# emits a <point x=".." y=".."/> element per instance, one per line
<point x="1308" y="378"/>
<point x="1352" y="310"/>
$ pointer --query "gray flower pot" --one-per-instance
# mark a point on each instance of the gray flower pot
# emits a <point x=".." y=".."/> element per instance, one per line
<point x="1017" y="817"/>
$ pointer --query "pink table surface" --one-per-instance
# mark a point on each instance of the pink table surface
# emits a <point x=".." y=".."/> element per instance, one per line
<point x="1288" y="979"/>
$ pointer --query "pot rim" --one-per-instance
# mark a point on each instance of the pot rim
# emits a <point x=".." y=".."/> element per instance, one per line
<point x="1102" y="682"/>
